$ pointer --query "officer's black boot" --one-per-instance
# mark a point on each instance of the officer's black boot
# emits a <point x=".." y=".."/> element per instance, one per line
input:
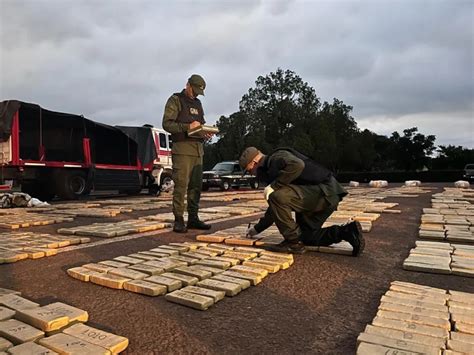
<point x="352" y="233"/>
<point x="179" y="226"/>
<point x="195" y="223"/>
<point x="288" y="246"/>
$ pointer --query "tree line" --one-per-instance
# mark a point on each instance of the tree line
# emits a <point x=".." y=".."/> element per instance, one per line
<point x="283" y="110"/>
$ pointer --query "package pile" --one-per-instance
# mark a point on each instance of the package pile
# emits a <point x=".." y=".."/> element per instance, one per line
<point x="196" y="275"/>
<point x="236" y="236"/>
<point x="28" y="328"/>
<point x="93" y="211"/>
<point x="270" y="236"/>
<point x="232" y="196"/>
<point x="27" y="245"/>
<point x="416" y="319"/>
<point x="231" y="209"/>
<point x="169" y="217"/>
<point x="451" y="217"/>
<point x="462" y="184"/>
<point x="136" y="204"/>
<point x="378" y="183"/>
<point x="441" y="258"/>
<point x="20" y="218"/>
<point x="109" y="230"/>
<point x="364" y="205"/>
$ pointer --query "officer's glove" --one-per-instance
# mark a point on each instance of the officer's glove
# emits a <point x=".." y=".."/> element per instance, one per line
<point x="251" y="232"/>
<point x="267" y="192"/>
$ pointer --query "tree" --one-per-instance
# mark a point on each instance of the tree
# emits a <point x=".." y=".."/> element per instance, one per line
<point x="277" y="107"/>
<point x="283" y="110"/>
<point x="232" y="133"/>
<point x="412" y="151"/>
<point x="334" y="132"/>
<point x="383" y="147"/>
<point x="452" y="157"/>
<point x="365" y="152"/>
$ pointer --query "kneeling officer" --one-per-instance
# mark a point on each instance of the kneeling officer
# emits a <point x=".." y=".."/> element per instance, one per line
<point x="297" y="183"/>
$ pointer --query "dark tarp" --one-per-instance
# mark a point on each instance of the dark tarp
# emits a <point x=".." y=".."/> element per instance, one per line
<point x="146" y="144"/>
<point x="59" y="136"/>
<point x="7" y="110"/>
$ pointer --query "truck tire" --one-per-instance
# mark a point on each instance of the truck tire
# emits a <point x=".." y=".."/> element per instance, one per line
<point x="71" y="185"/>
<point x="166" y="180"/>
<point x="39" y="190"/>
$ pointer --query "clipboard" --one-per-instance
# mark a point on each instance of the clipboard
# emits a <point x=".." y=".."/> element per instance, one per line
<point x="202" y="130"/>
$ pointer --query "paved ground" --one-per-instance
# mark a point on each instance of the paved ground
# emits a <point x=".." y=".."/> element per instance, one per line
<point x="319" y="305"/>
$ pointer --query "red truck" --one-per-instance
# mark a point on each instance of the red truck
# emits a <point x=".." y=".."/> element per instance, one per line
<point x="51" y="153"/>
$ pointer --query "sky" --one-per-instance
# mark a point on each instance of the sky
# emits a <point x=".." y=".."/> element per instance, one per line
<point x="399" y="63"/>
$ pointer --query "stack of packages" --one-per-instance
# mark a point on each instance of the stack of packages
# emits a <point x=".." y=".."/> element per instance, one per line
<point x="196" y="275"/>
<point x="416" y="319"/>
<point x="28" y="328"/>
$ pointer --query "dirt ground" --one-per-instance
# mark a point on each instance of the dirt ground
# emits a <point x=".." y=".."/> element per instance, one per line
<point x="317" y="306"/>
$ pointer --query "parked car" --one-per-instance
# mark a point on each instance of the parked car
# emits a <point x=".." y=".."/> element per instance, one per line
<point x="469" y="172"/>
<point x="226" y="175"/>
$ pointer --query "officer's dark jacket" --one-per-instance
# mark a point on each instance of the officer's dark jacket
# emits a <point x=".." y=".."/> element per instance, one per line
<point x="180" y="111"/>
<point x="191" y="110"/>
<point x="273" y="169"/>
<point x="287" y="167"/>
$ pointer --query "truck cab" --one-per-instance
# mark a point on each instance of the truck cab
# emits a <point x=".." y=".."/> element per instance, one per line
<point x="162" y="165"/>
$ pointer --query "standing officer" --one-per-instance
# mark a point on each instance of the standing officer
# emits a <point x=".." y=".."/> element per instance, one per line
<point x="183" y="111"/>
<point x="297" y="183"/>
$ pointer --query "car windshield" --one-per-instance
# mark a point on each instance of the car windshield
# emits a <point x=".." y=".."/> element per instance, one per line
<point x="469" y="166"/>
<point x="223" y="167"/>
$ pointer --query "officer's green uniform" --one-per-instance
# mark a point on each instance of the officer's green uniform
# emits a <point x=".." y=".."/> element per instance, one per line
<point x="295" y="190"/>
<point x="187" y="152"/>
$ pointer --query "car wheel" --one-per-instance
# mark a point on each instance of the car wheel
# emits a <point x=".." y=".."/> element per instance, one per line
<point x="254" y="184"/>
<point x="205" y="187"/>
<point x="225" y="186"/>
<point x="236" y="187"/>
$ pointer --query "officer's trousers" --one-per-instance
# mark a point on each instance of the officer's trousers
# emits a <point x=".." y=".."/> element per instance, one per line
<point x="187" y="177"/>
<point x="312" y="207"/>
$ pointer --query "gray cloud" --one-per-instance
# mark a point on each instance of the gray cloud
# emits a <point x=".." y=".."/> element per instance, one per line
<point x="398" y="63"/>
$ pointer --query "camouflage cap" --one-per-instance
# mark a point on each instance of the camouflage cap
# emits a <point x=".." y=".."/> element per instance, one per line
<point x="197" y="83"/>
<point x="247" y="156"/>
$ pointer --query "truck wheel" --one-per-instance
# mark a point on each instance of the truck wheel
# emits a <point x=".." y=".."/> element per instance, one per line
<point x="225" y="186"/>
<point x="38" y="190"/>
<point x="254" y="184"/>
<point x="166" y="182"/>
<point x="71" y="185"/>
